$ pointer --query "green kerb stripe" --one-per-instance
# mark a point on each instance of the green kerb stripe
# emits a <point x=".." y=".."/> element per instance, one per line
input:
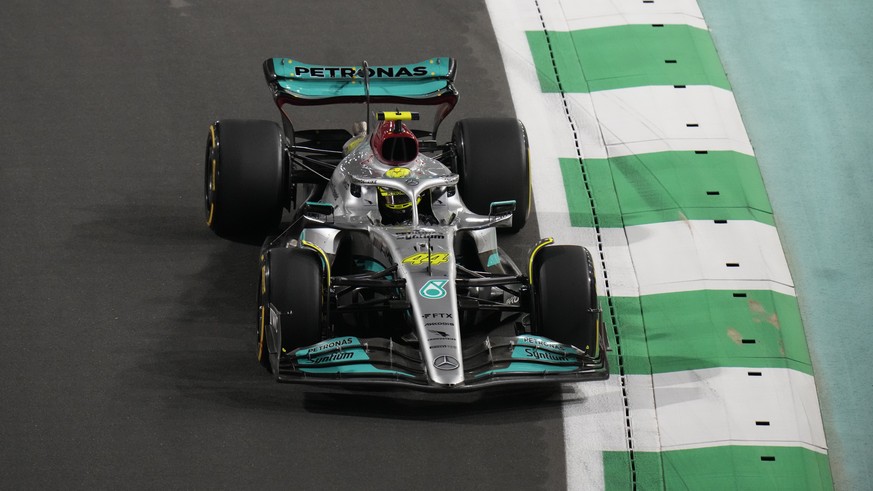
<point x="695" y="330"/>
<point x="648" y="466"/>
<point x="606" y="58"/>
<point x="634" y="350"/>
<point x="726" y="467"/>
<point x="666" y="186"/>
<point x="603" y="197"/>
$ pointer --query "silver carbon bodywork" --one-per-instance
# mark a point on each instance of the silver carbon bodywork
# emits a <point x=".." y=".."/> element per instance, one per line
<point x="421" y="337"/>
<point x="382" y="273"/>
<point x="440" y="348"/>
<point x="427" y="345"/>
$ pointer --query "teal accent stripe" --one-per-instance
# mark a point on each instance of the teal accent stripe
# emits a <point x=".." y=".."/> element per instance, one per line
<point x="666" y="186"/>
<point x="721" y="468"/>
<point x="359" y="368"/>
<point x="528" y="367"/>
<point x="606" y="58"/>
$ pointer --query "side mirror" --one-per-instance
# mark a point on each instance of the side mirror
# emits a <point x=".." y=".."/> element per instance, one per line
<point x="499" y="208"/>
<point x="317" y="209"/>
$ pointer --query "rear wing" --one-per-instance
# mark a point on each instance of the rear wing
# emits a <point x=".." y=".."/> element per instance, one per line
<point x="425" y="83"/>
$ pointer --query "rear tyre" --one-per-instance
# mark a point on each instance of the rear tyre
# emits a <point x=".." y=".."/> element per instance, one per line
<point x="244" y="184"/>
<point x="565" y="297"/>
<point x="295" y="288"/>
<point x="493" y="162"/>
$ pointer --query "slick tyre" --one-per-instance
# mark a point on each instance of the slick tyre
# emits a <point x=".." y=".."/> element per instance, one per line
<point x="245" y="188"/>
<point x="564" y="299"/>
<point x="294" y="280"/>
<point x="493" y="163"/>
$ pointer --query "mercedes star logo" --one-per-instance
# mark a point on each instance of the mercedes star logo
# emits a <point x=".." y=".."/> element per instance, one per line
<point x="446" y="363"/>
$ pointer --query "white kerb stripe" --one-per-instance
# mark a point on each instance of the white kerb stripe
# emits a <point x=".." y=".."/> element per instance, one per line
<point x="607" y="13"/>
<point x="657" y="118"/>
<point x="726" y="406"/>
<point x="668" y="256"/>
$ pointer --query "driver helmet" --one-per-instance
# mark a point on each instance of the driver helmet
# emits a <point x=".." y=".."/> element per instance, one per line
<point x="394" y="200"/>
<point x="394" y="205"/>
<point x="394" y="144"/>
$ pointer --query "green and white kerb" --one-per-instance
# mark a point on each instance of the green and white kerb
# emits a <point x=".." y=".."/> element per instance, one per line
<point x="639" y="154"/>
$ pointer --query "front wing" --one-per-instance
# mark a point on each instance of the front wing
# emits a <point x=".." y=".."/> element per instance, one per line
<point x="350" y="360"/>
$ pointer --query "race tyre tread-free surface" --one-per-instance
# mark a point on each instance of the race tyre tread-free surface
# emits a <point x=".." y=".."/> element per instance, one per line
<point x="565" y="297"/>
<point x="492" y="160"/>
<point x="244" y="178"/>
<point x="296" y="290"/>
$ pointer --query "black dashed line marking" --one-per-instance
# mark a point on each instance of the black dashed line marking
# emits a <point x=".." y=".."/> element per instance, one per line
<point x="600" y="250"/>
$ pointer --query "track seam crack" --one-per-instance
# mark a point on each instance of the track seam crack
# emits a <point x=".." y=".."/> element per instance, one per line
<point x="600" y="252"/>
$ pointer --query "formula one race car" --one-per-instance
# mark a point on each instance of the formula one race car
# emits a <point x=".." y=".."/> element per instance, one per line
<point x="388" y="271"/>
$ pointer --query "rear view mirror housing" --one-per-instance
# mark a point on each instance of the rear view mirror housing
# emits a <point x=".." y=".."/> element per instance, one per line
<point x="500" y="208"/>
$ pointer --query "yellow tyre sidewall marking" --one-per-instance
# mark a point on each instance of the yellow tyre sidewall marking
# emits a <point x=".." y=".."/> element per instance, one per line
<point x="263" y="313"/>
<point x="323" y="256"/>
<point x="261" y="335"/>
<point x="533" y="254"/>
<point x="214" y="179"/>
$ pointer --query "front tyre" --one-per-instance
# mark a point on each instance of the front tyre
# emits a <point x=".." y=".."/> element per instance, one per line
<point x="244" y="184"/>
<point x="292" y="284"/>
<point x="493" y="163"/>
<point x="564" y="290"/>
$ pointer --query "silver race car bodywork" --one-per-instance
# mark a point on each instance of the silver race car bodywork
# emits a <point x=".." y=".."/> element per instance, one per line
<point x="416" y="294"/>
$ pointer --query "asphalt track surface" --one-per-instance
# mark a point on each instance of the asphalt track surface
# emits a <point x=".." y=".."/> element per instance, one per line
<point x="128" y="342"/>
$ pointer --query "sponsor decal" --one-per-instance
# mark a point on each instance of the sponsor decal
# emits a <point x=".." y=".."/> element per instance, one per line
<point x="424" y="258"/>
<point x="445" y="362"/>
<point x="540" y="342"/>
<point x="334" y="343"/>
<point x="332" y="357"/>
<point x="349" y="72"/>
<point x="442" y="346"/>
<point x="437" y="315"/>
<point x="440" y="333"/>
<point x="433" y="289"/>
<point x="545" y="355"/>
<point x="441" y="323"/>
<point x="397" y="172"/>
<point x="418" y="235"/>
